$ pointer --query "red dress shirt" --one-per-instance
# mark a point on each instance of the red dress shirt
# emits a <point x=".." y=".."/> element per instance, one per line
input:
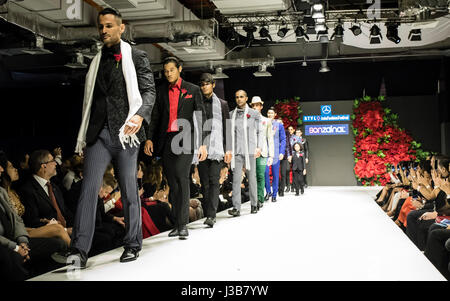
<point x="174" y="95"/>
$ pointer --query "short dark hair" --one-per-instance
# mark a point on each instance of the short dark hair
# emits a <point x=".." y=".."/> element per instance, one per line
<point x="271" y="109"/>
<point x="207" y="78"/>
<point x="172" y="59"/>
<point x="299" y="144"/>
<point x="36" y="160"/>
<point x="110" y="11"/>
<point x="109" y="180"/>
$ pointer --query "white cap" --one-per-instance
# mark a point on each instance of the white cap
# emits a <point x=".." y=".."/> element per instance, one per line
<point x="256" y="99"/>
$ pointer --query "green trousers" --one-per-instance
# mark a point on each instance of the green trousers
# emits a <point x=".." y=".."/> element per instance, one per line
<point x="260" y="180"/>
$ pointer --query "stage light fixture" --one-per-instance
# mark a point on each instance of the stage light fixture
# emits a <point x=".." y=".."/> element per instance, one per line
<point x="249" y="29"/>
<point x="375" y="35"/>
<point x="262" y="71"/>
<point x="392" y="32"/>
<point x="323" y="67"/>
<point x="282" y="32"/>
<point x="415" y="35"/>
<point x="264" y="34"/>
<point x="219" y="74"/>
<point x="317" y="11"/>
<point x="356" y="30"/>
<point x="338" y="31"/>
<point x="300" y="33"/>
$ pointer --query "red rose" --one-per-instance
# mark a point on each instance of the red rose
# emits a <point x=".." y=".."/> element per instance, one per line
<point x="117" y="57"/>
<point x="248" y="115"/>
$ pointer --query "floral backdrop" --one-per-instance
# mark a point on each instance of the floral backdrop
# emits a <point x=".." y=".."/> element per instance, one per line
<point x="379" y="142"/>
<point x="289" y="111"/>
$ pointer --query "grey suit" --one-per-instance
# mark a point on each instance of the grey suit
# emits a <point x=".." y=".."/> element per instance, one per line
<point x="255" y="139"/>
<point x="109" y="112"/>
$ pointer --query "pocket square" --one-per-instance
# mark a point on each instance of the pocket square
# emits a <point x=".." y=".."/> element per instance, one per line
<point x="188" y="96"/>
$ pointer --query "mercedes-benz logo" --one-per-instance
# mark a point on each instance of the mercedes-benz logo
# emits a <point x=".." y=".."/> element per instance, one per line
<point x="326" y="110"/>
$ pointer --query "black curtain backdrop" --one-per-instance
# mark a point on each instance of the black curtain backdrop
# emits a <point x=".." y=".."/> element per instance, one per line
<point x="46" y="114"/>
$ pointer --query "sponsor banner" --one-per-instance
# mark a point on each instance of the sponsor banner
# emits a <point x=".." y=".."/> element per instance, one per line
<point x="315" y="118"/>
<point x="325" y="115"/>
<point x="326" y="129"/>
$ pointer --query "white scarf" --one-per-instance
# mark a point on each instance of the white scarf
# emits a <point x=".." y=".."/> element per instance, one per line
<point x="233" y="123"/>
<point x="134" y="97"/>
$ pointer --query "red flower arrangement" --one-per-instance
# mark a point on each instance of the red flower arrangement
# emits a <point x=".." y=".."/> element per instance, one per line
<point x="289" y="111"/>
<point x="379" y="142"/>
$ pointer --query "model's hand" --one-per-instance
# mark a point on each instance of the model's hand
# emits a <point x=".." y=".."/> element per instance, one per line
<point x="304" y="172"/>
<point x="202" y="153"/>
<point x="306" y="160"/>
<point x="119" y="220"/>
<point x="290" y="159"/>
<point x="148" y="149"/>
<point x="228" y="156"/>
<point x="137" y="121"/>
<point x="269" y="161"/>
<point x="257" y="152"/>
<point x="280" y="157"/>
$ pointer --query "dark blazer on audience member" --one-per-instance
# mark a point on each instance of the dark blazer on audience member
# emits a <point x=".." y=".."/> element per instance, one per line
<point x="38" y="204"/>
<point x="188" y="102"/>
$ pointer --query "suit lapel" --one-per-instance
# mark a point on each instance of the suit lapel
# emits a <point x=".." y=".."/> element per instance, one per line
<point x="41" y="192"/>
<point x="180" y="99"/>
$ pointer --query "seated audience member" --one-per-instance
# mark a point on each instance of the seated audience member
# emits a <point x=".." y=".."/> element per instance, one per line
<point x="109" y="229"/>
<point x="8" y="177"/>
<point x="35" y="252"/>
<point x="384" y="195"/>
<point x="24" y="169"/>
<point x="436" y="250"/>
<point x="195" y="204"/>
<point x="71" y="175"/>
<point x="420" y="221"/>
<point x="225" y="189"/>
<point x="71" y="197"/>
<point x="42" y="199"/>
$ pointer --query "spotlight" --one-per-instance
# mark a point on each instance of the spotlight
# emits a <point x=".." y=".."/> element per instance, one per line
<point x="356" y="30"/>
<point x="375" y="35"/>
<point x="317" y="11"/>
<point x="323" y="67"/>
<point x="320" y="27"/>
<point x="338" y="31"/>
<point x="282" y="32"/>
<point x="262" y="71"/>
<point x="415" y="35"/>
<point x="392" y="33"/>
<point x="219" y="74"/>
<point x="264" y="33"/>
<point x="250" y="29"/>
<point x="300" y="33"/>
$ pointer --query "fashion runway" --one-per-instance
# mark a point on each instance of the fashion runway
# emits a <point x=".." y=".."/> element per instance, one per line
<point x="327" y="234"/>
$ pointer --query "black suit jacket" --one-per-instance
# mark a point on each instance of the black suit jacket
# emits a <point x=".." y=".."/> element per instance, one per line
<point x="298" y="163"/>
<point x="110" y="100"/>
<point x="157" y="129"/>
<point x="38" y="204"/>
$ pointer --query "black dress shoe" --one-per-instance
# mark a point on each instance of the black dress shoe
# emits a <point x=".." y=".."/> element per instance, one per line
<point x="174" y="232"/>
<point x="297" y="194"/>
<point x="130" y="254"/>
<point x="234" y="212"/>
<point x="287" y="189"/>
<point x="302" y="191"/>
<point x="306" y="185"/>
<point x="274" y="199"/>
<point x="72" y="257"/>
<point x="254" y="210"/>
<point x="281" y="193"/>
<point x="260" y="205"/>
<point x="210" y="221"/>
<point x="183" y="232"/>
<point x="267" y="197"/>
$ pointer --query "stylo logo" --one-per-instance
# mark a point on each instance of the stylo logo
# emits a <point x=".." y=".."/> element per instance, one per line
<point x="332" y="129"/>
<point x="73" y="12"/>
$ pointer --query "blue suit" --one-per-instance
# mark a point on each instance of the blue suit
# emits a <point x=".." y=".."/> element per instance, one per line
<point x="279" y="140"/>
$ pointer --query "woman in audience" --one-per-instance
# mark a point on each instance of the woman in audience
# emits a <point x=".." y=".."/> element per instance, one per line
<point x="71" y="175"/>
<point x="420" y="221"/>
<point x="52" y="229"/>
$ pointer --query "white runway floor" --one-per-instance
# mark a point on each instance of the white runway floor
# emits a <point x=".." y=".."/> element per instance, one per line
<point x="329" y="233"/>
